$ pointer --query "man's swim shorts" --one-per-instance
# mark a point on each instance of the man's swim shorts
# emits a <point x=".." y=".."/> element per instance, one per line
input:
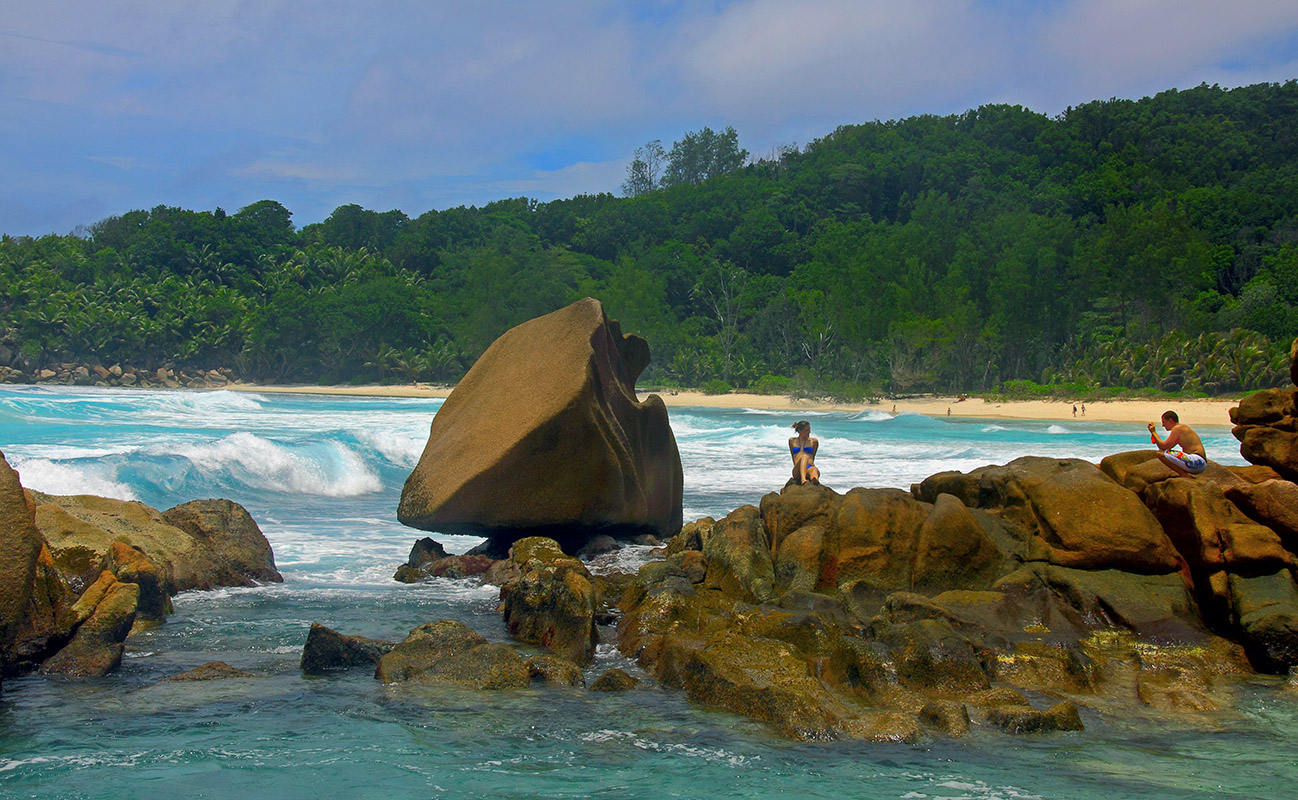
<point x="1191" y="463"/>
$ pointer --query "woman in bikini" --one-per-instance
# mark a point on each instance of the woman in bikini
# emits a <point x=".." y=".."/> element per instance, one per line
<point x="803" y="449"/>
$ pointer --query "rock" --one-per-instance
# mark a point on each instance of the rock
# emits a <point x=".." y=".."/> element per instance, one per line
<point x="1273" y="503"/>
<point x="738" y="559"/>
<point x="211" y="671"/>
<point x="883" y="726"/>
<point x="544" y="435"/>
<point x="758" y="678"/>
<point x="80" y="530"/>
<point x="108" y="607"/>
<point x="598" y="545"/>
<point x="933" y="658"/>
<point x="1266" y="611"/>
<point x="1073" y="603"/>
<point x="1025" y="719"/>
<point x="1293" y="362"/>
<point x="1211" y="533"/>
<point x="691" y="536"/>
<point x="425" y="551"/>
<point x="327" y="650"/>
<point x="554" y="670"/>
<point x="32" y="597"/>
<point x="233" y="537"/>
<point x="131" y="565"/>
<point x="1266" y="425"/>
<point x="552" y="603"/>
<point x="952" y="551"/>
<point x="429" y="560"/>
<point x="946" y="717"/>
<point x="1074" y="514"/>
<point x="614" y="680"/>
<point x="449" y="652"/>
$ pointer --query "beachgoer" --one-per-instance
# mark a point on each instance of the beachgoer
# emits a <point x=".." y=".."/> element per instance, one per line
<point x="1191" y="458"/>
<point x="803" y="449"/>
<point x="1083" y="409"/>
<point x="1074" y="411"/>
<point x="894" y="409"/>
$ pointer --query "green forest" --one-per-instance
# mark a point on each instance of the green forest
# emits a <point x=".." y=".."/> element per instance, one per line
<point x="1146" y="245"/>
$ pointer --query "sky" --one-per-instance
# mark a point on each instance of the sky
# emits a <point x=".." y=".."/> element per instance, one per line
<point x="112" y="105"/>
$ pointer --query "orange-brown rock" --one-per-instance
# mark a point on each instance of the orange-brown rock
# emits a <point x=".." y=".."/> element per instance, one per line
<point x="1273" y="503"/>
<point x="1072" y="513"/>
<point x="545" y="435"/>
<point x="1211" y="533"/>
<point x="552" y="602"/>
<point x="447" y="651"/>
<point x="32" y="597"/>
<point x="205" y="543"/>
<point x="1266" y="425"/>
<point x="104" y="615"/>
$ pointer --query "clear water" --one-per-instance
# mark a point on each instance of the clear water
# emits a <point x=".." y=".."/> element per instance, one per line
<point x="322" y="476"/>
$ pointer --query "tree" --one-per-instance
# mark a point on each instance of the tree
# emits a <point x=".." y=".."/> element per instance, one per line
<point x="703" y="155"/>
<point x="642" y="174"/>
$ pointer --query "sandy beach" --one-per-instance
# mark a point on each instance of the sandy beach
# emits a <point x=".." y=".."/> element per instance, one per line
<point x="1137" y="412"/>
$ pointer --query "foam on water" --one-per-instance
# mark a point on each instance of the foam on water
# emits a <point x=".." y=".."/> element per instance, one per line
<point x="332" y="470"/>
<point x="52" y="477"/>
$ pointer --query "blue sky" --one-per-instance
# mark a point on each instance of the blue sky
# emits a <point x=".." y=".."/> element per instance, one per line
<point x="112" y="105"/>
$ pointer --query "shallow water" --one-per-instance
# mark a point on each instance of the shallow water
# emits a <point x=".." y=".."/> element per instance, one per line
<point x="322" y="476"/>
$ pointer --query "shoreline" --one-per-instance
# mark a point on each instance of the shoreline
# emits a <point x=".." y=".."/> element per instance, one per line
<point x="1192" y="412"/>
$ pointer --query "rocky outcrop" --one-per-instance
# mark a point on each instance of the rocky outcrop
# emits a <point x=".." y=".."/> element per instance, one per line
<point x="197" y="545"/>
<point x="1266" y="425"/>
<point x="882" y="616"/>
<point x="449" y="652"/>
<point x="327" y="650"/>
<point x="32" y="597"/>
<point x="552" y="602"/>
<point x="72" y="374"/>
<point x="545" y="436"/>
<point x="102" y="617"/>
<point x="235" y="547"/>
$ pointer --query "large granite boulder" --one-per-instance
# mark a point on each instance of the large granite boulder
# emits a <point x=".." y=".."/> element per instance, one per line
<point x="31" y="595"/>
<point x="238" y="549"/>
<point x="205" y="544"/>
<point x="552" y="602"/>
<point x="545" y="436"/>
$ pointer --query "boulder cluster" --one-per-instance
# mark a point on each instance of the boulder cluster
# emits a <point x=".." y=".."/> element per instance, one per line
<point x="71" y="374"/>
<point x="78" y="573"/>
<point x="1014" y="597"/>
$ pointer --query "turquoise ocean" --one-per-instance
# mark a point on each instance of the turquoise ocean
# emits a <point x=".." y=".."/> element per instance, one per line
<point x="322" y="476"/>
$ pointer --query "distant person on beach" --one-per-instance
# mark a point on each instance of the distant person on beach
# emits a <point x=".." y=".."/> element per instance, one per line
<point x="1074" y="411"/>
<point x="1083" y="409"/>
<point x="803" y="449"/>
<point x="1190" y="459"/>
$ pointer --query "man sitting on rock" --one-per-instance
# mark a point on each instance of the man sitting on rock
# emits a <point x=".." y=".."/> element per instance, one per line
<point x="1190" y="459"/>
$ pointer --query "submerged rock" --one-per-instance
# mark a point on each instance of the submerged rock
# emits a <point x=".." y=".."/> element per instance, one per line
<point x="211" y="671"/>
<point x="327" y="650"/>
<point x="555" y="670"/>
<point x="449" y="652"/>
<point x="545" y="436"/>
<point x="614" y="680"/>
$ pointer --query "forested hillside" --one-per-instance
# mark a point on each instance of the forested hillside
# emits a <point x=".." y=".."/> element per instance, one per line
<point x="1149" y="243"/>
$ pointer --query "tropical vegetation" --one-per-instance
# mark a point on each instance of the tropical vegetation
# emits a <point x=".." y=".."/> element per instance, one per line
<point x="1146" y="244"/>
